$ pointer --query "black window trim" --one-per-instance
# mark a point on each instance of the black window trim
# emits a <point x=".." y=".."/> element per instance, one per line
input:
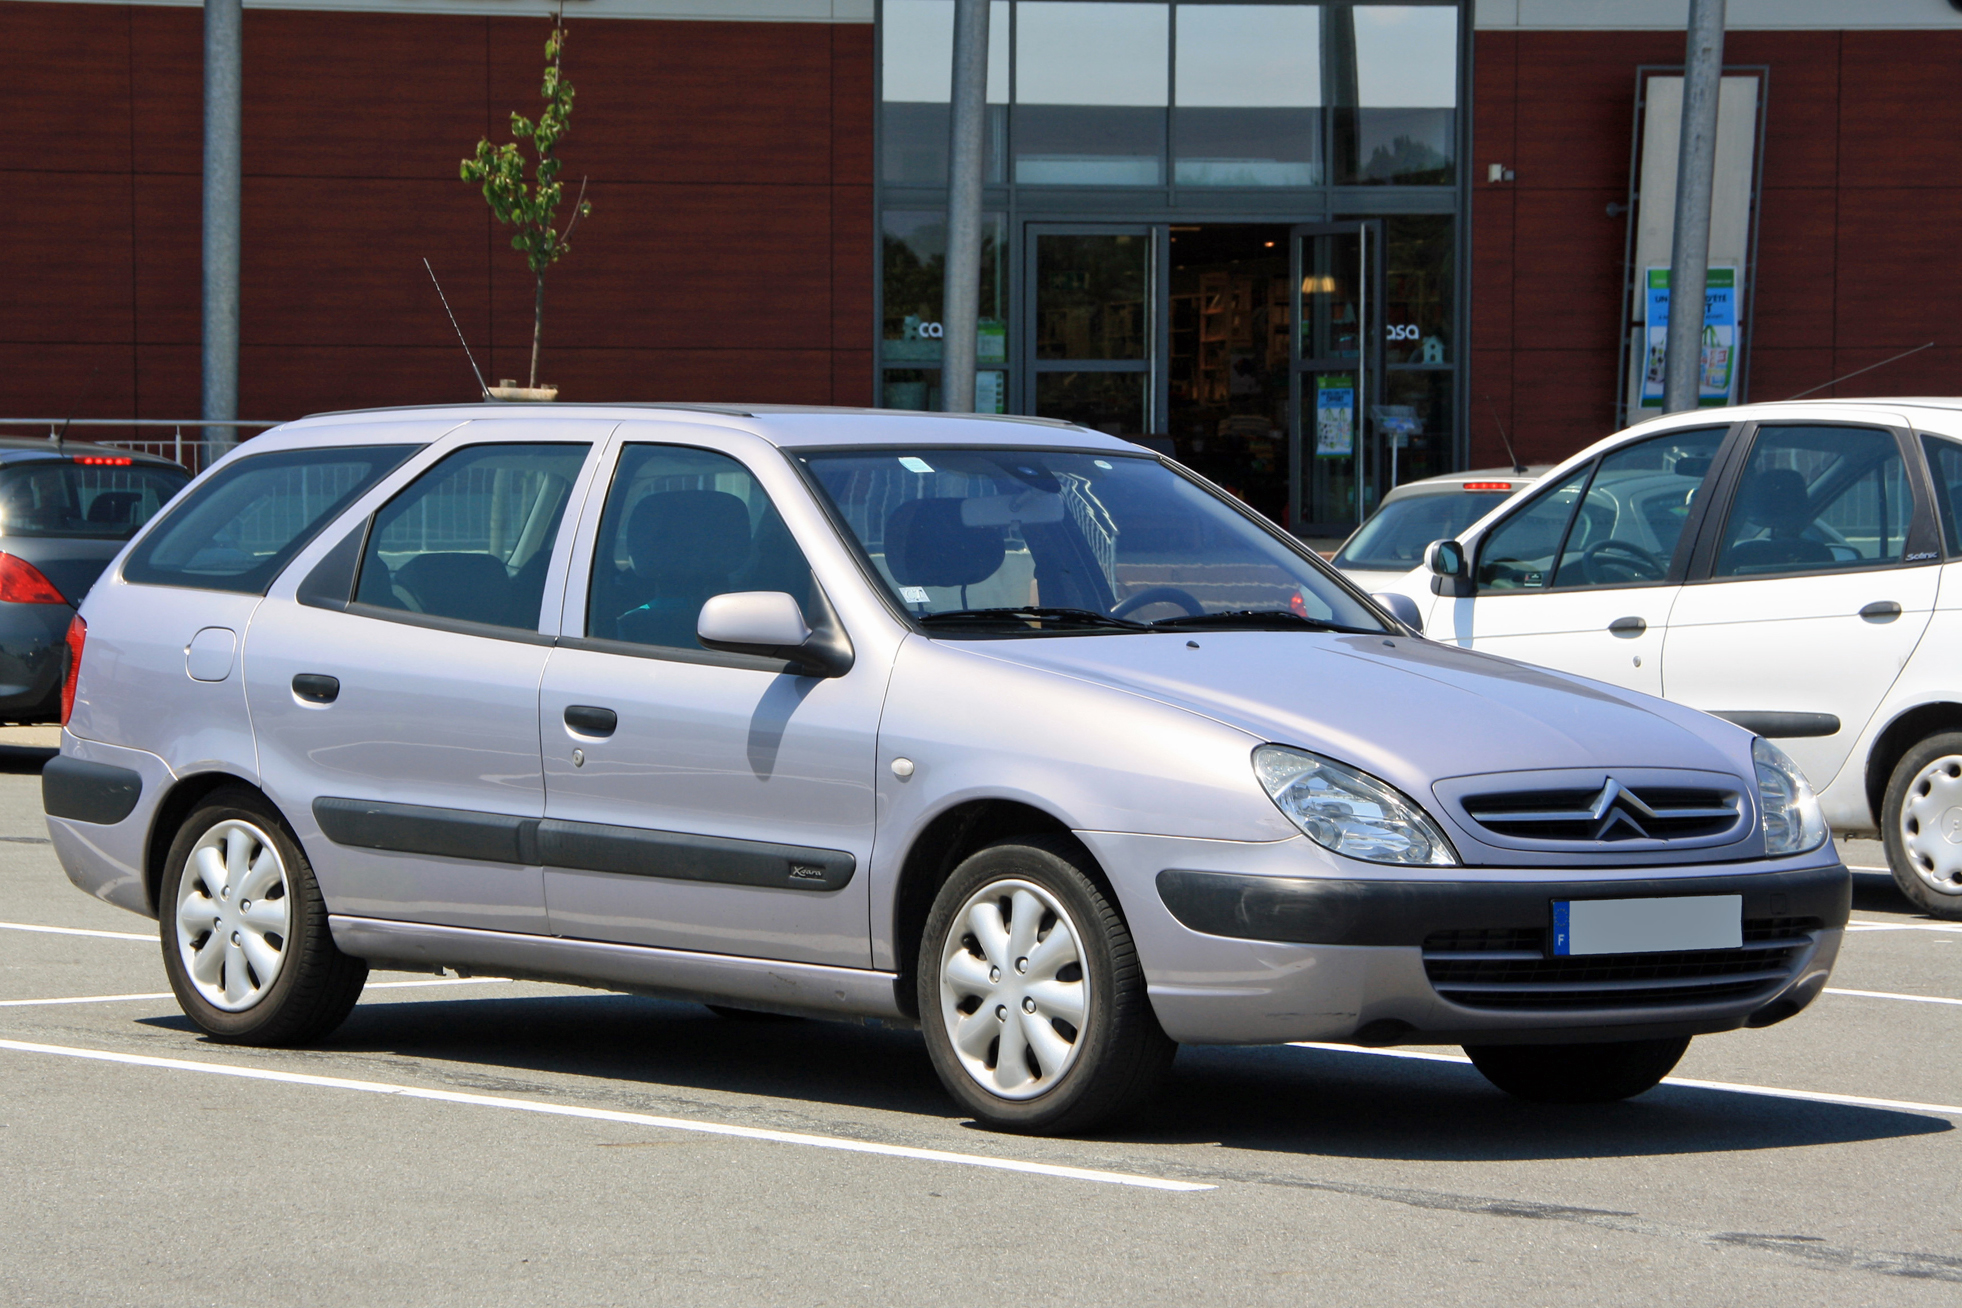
<point x="1681" y="562"/>
<point x="1923" y="530"/>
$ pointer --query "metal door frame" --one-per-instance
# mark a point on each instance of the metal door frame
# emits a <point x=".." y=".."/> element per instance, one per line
<point x="1368" y="364"/>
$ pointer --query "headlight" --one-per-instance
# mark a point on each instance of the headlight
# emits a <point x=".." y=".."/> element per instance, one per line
<point x="1348" y="811"/>
<point x="1792" y="820"/>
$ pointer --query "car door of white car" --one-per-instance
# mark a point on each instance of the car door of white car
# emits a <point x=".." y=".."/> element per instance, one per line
<point x="1581" y="576"/>
<point x="698" y="799"/>
<point x="1803" y="609"/>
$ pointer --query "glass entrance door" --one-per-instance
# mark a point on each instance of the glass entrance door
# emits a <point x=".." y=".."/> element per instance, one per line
<point x="1092" y="305"/>
<point x="1339" y="471"/>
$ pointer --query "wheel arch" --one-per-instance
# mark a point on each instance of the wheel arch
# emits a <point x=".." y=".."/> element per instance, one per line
<point x="1906" y="731"/>
<point x="177" y="803"/>
<point x="940" y="847"/>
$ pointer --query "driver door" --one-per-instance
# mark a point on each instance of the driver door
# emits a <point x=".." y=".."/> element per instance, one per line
<point x="1581" y="578"/>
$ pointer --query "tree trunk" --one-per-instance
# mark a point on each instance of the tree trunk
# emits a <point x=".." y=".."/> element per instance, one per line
<point x="537" y="329"/>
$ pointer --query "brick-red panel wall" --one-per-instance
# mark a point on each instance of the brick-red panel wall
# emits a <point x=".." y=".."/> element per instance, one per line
<point x="1857" y="258"/>
<point x="728" y="256"/>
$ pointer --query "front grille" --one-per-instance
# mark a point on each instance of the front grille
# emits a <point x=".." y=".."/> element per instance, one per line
<point x="1509" y="968"/>
<point x="1607" y="814"/>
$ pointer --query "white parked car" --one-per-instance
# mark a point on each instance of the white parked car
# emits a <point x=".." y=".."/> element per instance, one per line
<point x="1391" y="542"/>
<point x="1794" y="567"/>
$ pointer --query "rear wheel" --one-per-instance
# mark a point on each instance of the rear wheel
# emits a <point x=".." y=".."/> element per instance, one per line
<point x="1578" y="1074"/>
<point x="1031" y="995"/>
<point x="1921" y="823"/>
<point x="245" y="937"/>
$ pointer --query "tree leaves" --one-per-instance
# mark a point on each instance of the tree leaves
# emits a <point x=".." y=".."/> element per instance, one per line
<point x="499" y="170"/>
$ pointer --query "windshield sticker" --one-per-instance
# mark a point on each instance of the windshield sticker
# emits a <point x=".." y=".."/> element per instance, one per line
<point x="915" y="595"/>
<point x="912" y="464"/>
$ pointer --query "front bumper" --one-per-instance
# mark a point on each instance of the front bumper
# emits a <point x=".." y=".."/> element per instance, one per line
<point x="1240" y="947"/>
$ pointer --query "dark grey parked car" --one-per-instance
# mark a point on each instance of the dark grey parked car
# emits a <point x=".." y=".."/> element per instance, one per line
<point x="65" y="510"/>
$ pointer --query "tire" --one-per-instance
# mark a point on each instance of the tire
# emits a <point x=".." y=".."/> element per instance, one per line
<point x="1084" y="1047"/>
<point x="1578" y="1074"/>
<point x="1921" y="823"/>
<point x="276" y="920"/>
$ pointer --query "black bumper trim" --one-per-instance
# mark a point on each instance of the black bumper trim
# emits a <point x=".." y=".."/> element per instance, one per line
<point x="1311" y="911"/>
<point x="89" y="792"/>
<point x="579" y="846"/>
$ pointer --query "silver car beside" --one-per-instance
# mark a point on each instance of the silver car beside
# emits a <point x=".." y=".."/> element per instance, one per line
<point x="1000" y="726"/>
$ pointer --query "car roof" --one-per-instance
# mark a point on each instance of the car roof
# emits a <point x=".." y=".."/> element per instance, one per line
<point x="781" y="424"/>
<point x="35" y="449"/>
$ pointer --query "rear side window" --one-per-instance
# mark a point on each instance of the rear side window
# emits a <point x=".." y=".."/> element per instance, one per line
<point x="237" y="530"/>
<point x="102" y="502"/>
<point x="1945" y="462"/>
<point x="471" y="538"/>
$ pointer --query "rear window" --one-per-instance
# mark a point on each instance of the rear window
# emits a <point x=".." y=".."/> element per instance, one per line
<point x="105" y="502"/>
<point x="237" y="530"/>
<point x="1397" y="535"/>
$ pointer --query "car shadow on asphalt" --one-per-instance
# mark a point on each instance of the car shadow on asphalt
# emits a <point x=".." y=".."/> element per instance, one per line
<point x="1875" y="892"/>
<point x="663" y="1057"/>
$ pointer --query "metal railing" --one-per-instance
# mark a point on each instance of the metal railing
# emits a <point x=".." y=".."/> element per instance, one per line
<point x="195" y="454"/>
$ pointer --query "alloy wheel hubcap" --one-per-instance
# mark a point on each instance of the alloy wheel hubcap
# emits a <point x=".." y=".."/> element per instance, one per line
<point x="1931" y="825"/>
<point x="1013" y="990"/>
<point x="233" y="915"/>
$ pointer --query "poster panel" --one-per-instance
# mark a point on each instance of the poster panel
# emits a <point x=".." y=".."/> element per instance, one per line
<point x="1335" y="415"/>
<point x="1717" y="370"/>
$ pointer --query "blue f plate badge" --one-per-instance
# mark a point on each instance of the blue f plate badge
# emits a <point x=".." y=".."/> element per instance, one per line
<point x="1647" y="926"/>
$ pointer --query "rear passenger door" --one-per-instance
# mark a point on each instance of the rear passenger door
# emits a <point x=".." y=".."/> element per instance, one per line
<point x="394" y="689"/>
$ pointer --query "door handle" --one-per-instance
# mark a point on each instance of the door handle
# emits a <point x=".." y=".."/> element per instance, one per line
<point x="317" y="687"/>
<point x="1881" y="611"/>
<point x="1628" y="628"/>
<point x="591" y="720"/>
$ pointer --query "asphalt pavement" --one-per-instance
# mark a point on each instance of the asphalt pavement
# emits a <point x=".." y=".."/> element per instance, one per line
<point x="486" y="1142"/>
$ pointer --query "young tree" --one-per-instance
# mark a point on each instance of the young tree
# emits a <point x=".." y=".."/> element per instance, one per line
<point x="533" y="210"/>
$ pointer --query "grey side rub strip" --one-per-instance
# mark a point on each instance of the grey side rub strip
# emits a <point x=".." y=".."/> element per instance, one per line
<point x="89" y="792"/>
<point x="579" y="846"/>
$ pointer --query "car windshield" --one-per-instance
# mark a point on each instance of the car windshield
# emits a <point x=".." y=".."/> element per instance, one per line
<point x="105" y="501"/>
<point x="991" y="540"/>
<point x="1396" y="535"/>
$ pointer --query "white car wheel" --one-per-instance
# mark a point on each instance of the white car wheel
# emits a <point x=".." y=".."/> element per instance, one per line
<point x="1013" y="989"/>
<point x="1931" y="825"/>
<point x="233" y="915"/>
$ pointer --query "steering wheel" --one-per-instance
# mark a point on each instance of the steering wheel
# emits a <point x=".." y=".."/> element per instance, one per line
<point x="1159" y="595"/>
<point x="1609" y="562"/>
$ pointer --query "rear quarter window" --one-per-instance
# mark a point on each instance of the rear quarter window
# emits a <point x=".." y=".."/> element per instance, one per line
<point x="241" y="527"/>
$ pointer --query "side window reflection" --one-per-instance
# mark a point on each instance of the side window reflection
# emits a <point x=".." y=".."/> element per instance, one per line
<point x="680" y="527"/>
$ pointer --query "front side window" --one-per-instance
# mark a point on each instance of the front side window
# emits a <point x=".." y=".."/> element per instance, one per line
<point x="237" y="530"/>
<point x="1816" y="499"/>
<point x="681" y="526"/>
<point x="1004" y="541"/>
<point x="1615" y="523"/>
<point x="471" y="538"/>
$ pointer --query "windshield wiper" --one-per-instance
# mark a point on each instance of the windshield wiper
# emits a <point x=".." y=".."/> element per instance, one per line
<point x="1046" y="615"/>
<point x="1280" y="619"/>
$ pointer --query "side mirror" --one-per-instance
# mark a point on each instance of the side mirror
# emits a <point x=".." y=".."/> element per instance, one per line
<point x="1402" y="608"/>
<point x="1445" y="558"/>
<point x="769" y="623"/>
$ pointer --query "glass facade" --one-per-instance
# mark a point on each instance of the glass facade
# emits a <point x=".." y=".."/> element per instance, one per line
<point x="1228" y="230"/>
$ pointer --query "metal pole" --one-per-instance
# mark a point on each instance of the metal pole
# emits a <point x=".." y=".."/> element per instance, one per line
<point x="966" y="152"/>
<point x="1696" y="166"/>
<point x="223" y="79"/>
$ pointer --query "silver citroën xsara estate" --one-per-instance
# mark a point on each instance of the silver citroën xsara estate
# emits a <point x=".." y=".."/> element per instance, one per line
<point x="1001" y="726"/>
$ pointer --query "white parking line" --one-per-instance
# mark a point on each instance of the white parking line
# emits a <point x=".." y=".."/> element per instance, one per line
<point x="150" y="939"/>
<point x="1858" y="925"/>
<point x="1731" y="1087"/>
<point x="608" y="1115"/>
<point x="165" y="994"/>
<point x="1883" y="994"/>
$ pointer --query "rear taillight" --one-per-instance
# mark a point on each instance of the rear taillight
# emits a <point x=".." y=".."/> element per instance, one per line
<point x="78" y="635"/>
<point x="22" y="583"/>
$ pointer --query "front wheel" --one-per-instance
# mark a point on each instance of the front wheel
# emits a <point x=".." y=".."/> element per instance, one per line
<point x="1578" y="1074"/>
<point x="1921" y="823"/>
<point x="1031" y="995"/>
<point x="245" y="939"/>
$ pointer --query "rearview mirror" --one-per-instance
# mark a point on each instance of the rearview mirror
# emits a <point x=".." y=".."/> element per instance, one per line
<point x="1445" y="558"/>
<point x="770" y="624"/>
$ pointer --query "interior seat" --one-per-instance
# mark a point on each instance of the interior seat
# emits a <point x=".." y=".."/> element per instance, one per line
<point x="1776" y="501"/>
<point x="472" y="587"/>
<point x="685" y="547"/>
<point x="927" y="544"/>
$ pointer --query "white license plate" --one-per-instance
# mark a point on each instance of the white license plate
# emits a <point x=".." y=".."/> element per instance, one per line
<point x="1647" y="926"/>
